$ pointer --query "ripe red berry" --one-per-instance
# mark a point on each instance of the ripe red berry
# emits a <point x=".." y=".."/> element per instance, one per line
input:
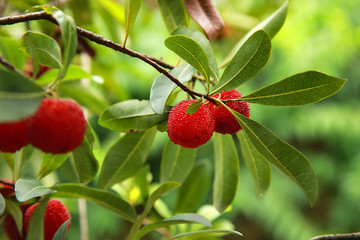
<point x="10" y="226"/>
<point x="190" y="130"/>
<point x="57" y="127"/>
<point x="225" y="122"/>
<point x="55" y="215"/>
<point x="13" y="136"/>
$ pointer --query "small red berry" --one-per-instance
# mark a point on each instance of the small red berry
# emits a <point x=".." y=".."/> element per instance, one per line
<point x="13" y="136"/>
<point x="55" y="215"/>
<point x="190" y="130"/>
<point x="225" y="122"/>
<point x="10" y="226"/>
<point x="57" y="127"/>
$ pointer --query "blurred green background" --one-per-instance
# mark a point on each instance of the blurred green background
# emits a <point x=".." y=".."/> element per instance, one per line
<point x="322" y="35"/>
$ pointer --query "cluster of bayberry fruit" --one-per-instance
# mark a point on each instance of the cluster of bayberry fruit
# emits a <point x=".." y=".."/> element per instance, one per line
<point x="193" y="130"/>
<point x="57" y="127"/>
<point x="56" y="214"/>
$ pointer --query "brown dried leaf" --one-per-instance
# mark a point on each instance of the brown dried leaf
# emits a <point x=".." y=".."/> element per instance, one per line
<point x="206" y="15"/>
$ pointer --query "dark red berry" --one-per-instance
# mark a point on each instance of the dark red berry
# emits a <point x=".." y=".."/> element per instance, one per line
<point x="10" y="226"/>
<point x="13" y="136"/>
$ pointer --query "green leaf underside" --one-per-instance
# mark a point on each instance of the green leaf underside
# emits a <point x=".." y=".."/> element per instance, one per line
<point x="51" y="162"/>
<point x="205" y="233"/>
<point x="247" y="62"/>
<point x="104" y="198"/>
<point x="19" y="96"/>
<point x="299" y="89"/>
<point x="42" y="48"/>
<point x="132" y="8"/>
<point x="14" y="210"/>
<point x="282" y="155"/>
<point x="193" y="107"/>
<point x="189" y="50"/>
<point x="258" y="166"/>
<point x="36" y="223"/>
<point x="271" y="25"/>
<point x="162" y="87"/>
<point x="2" y="205"/>
<point x="60" y="234"/>
<point x="176" y="162"/>
<point x="205" y="44"/>
<point x="226" y="170"/>
<point x="126" y="157"/>
<point x="187" y="218"/>
<point x="130" y="115"/>
<point x="173" y="13"/>
<point x="28" y="189"/>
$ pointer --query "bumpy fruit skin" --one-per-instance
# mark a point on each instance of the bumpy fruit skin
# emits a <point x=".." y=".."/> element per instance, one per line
<point x="55" y="215"/>
<point x="13" y="136"/>
<point x="57" y="127"/>
<point x="190" y="130"/>
<point x="10" y="226"/>
<point x="225" y="122"/>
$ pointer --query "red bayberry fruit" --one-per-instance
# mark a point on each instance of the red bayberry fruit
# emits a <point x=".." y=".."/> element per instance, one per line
<point x="10" y="226"/>
<point x="225" y="122"/>
<point x="13" y="136"/>
<point x="7" y="188"/>
<point x="190" y="130"/>
<point x="55" y="215"/>
<point x="57" y="127"/>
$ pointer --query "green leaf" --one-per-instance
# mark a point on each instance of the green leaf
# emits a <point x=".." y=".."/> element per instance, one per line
<point x="42" y="48"/>
<point x="176" y="162"/>
<point x="162" y="87"/>
<point x="299" y="89"/>
<point x="28" y="189"/>
<point x="205" y="44"/>
<point x="206" y="232"/>
<point x="193" y="107"/>
<point x="10" y="51"/>
<point x="258" y="166"/>
<point x="51" y="162"/>
<point x="132" y="8"/>
<point x="280" y="154"/>
<point x="186" y="218"/>
<point x="60" y="234"/>
<point x="74" y="72"/>
<point x="104" y="198"/>
<point x="125" y="157"/>
<point x="247" y="62"/>
<point x="14" y="210"/>
<point x="194" y="189"/>
<point x="142" y="181"/>
<point x="226" y="171"/>
<point x="191" y="51"/>
<point x="69" y="39"/>
<point x="86" y="164"/>
<point x="9" y="158"/>
<point x="271" y="25"/>
<point x="130" y="115"/>
<point x="2" y="205"/>
<point x="173" y="13"/>
<point x="36" y="224"/>
<point x="19" y="96"/>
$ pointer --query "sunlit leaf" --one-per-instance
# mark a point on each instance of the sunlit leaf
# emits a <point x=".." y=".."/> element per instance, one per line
<point x="104" y="198"/>
<point x="74" y="72"/>
<point x="132" y="8"/>
<point x="204" y="233"/>
<point x="2" y="205"/>
<point x="51" y="162"/>
<point x="226" y="170"/>
<point x="299" y="89"/>
<point x="10" y="51"/>
<point x="174" y="14"/>
<point x="125" y="157"/>
<point x="28" y="189"/>
<point x="193" y="107"/>
<point x="248" y="61"/>
<point x="9" y="159"/>
<point x="60" y="234"/>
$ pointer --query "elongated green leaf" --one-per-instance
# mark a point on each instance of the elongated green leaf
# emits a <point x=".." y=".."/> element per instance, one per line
<point x="74" y="72"/>
<point x="51" y="162"/>
<point x="176" y="162"/>
<point x="125" y="157"/>
<point x="86" y="164"/>
<point x="104" y="198"/>
<point x="14" y="210"/>
<point x="205" y="233"/>
<point x="60" y="234"/>
<point x="226" y="171"/>
<point x="205" y="44"/>
<point x="10" y="51"/>
<point x="9" y="159"/>
<point x="258" y="166"/>
<point x="299" y="89"/>
<point x="247" y="62"/>
<point x="271" y="25"/>
<point x="280" y="154"/>
<point x="36" y="224"/>
<point x="189" y="50"/>
<point x="162" y="87"/>
<point x="42" y="48"/>
<point x="19" y="96"/>
<point x="187" y="218"/>
<point x="27" y="189"/>
<point x="193" y="107"/>
<point x="194" y="189"/>
<point x="130" y="115"/>
<point x="132" y="8"/>
<point x="173" y="13"/>
<point x="2" y="205"/>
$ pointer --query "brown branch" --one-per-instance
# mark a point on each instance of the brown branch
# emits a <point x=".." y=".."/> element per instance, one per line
<point x="345" y="236"/>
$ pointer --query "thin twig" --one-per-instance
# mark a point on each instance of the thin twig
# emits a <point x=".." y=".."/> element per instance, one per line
<point x="344" y="236"/>
<point x="6" y="183"/>
<point x="9" y="65"/>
